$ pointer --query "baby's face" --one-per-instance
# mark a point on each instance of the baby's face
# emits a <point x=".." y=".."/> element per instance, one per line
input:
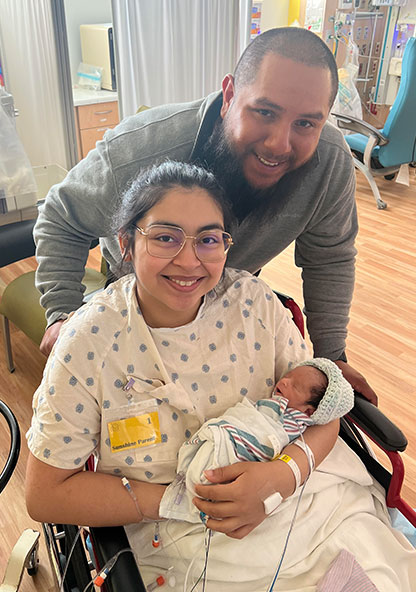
<point x="300" y="385"/>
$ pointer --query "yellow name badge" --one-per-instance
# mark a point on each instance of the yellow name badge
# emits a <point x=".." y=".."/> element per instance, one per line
<point x="134" y="432"/>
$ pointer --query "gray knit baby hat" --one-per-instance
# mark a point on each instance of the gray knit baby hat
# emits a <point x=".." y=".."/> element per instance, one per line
<point x="339" y="395"/>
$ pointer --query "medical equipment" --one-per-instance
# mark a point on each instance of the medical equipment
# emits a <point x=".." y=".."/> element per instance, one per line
<point x="127" y="485"/>
<point x="125" y="575"/>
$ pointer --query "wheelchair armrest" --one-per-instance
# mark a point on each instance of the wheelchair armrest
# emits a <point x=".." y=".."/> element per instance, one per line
<point x="16" y="242"/>
<point x="376" y="425"/>
<point x="361" y="127"/>
<point x="125" y="575"/>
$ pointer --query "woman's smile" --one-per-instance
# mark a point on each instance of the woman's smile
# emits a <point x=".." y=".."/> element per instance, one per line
<point x="186" y="284"/>
<point x="170" y="290"/>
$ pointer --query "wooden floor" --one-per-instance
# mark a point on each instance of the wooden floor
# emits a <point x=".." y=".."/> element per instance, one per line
<point x="381" y="344"/>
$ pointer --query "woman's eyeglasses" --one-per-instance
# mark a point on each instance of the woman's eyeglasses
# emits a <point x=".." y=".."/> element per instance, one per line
<point x="167" y="242"/>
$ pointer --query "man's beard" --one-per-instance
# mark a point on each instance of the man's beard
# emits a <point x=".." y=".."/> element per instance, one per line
<point x="219" y="156"/>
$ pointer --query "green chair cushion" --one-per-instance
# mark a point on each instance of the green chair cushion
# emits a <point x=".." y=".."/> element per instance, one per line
<point x="20" y="302"/>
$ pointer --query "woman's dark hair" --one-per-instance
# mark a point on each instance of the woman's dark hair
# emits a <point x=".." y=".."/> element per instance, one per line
<point x="151" y="185"/>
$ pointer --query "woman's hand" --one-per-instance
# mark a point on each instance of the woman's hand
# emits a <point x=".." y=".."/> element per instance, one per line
<point x="235" y="505"/>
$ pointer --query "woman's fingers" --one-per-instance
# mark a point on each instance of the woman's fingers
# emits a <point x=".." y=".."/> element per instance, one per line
<point x="218" y="510"/>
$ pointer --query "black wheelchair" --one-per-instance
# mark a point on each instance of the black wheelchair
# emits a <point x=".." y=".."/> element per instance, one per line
<point x="95" y="549"/>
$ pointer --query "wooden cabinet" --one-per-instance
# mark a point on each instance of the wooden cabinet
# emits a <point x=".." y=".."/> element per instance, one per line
<point x="92" y="122"/>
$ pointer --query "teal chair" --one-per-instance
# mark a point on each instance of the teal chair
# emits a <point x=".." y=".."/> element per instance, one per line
<point x="381" y="152"/>
<point x="19" y="301"/>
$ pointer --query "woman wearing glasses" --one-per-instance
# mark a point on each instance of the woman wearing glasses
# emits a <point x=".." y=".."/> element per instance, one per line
<point x="140" y="367"/>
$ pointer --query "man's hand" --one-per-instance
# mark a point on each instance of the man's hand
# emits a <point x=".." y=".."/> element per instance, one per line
<point x="357" y="381"/>
<point x="51" y="335"/>
<point x="234" y="503"/>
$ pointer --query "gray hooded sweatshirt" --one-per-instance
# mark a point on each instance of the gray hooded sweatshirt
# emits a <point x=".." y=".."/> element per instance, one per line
<point x="318" y="212"/>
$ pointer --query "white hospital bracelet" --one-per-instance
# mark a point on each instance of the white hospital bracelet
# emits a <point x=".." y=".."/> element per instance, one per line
<point x="307" y="450"/>
<point x="294" y="467"/>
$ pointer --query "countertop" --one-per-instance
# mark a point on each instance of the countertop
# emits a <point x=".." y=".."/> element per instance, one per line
<point x="83" y="96"/>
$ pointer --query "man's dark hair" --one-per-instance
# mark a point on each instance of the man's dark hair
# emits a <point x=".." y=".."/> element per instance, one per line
<point x="294" y="43"/>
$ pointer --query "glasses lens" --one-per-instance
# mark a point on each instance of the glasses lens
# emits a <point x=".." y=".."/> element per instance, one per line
<point x="212" y="245"/>
<point x="164" y="241"/>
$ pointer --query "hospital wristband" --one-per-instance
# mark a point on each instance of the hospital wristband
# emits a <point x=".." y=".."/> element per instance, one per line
<point x="307" y="450"/>
<point x="293" y="466"/>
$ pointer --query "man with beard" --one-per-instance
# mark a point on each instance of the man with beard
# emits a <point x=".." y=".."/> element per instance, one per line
<point x="288" y="174"/>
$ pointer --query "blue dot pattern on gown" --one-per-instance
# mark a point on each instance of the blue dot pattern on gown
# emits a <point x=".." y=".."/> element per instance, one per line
<point x="208" y="365"/>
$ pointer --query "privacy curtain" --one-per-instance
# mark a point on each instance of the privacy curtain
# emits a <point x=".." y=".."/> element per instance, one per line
<point x="30" y="65"/>
<point x="176" y="50"/>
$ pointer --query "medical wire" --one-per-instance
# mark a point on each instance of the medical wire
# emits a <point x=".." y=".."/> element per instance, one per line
<point x="108" y="566"/>
<point x="71" y="550"/>
<point x="203" y="576"/>
<point x="310" y="467"/>
<point x="207" y="543"/>
<point x="174" y="542"/>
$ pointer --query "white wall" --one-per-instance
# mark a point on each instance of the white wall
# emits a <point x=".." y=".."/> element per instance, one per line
<point x="83" y="12"/>
<point x="274" y="13"/>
